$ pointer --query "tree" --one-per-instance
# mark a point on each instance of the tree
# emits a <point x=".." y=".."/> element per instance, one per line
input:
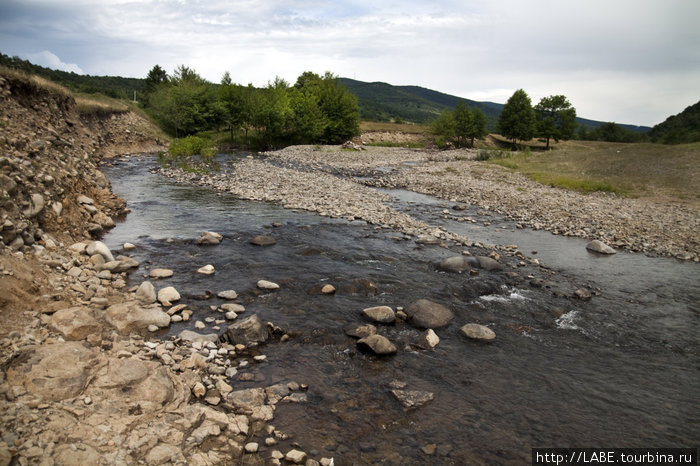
<point x="556" y="118"/>
<point x="460" y="126"/>
<point x="443" y="127"/>
<point x="340" y="110"/>
<point x="156" y="76"/>
<point x="517" y="119"/>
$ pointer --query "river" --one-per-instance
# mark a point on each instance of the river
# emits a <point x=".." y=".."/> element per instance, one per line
<point x="620" y="370"/>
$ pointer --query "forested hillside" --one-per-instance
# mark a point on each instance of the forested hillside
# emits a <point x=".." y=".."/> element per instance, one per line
<point x="679" y="129"/>
<point x="112" y="86"/>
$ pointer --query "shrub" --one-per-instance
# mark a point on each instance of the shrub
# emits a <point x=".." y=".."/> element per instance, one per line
<point x="191" y="145"/>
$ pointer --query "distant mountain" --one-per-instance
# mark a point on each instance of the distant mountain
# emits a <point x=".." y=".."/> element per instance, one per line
<point x="679" y="129"/>
<point x="383" y="102"/>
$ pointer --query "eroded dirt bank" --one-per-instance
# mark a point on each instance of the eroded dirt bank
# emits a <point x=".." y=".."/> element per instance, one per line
<point x="79" y="384"/>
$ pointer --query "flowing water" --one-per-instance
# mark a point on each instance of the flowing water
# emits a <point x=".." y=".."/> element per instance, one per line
<point x="618" y="371"/>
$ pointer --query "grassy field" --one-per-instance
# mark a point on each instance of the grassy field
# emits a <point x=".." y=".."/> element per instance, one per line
<point x="669" y="172"/>
<point x="408" y="128"/>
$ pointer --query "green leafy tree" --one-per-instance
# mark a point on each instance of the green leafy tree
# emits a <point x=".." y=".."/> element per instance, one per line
<point x="443" y="127"/>
<point x="340" y="110"/>
<point x="556" y="118"/>
<point x="517" y="119"/>
<point x="156" y="77"/>
<point x="479" y="125"/>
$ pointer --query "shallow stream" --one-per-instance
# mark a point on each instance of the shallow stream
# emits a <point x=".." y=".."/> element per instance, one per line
<point x="618" y="371"/>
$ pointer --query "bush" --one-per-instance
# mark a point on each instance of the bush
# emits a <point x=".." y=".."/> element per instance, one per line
<point x="191" y="145"/>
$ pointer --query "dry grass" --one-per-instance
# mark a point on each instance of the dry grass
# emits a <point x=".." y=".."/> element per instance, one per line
<point x="408" y="128"/>
<point x="634" y="169"/>
<point x="98" y="105"/>
<point x="33" y="81"/>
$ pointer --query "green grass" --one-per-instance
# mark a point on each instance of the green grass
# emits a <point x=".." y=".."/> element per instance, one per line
<point x="630" y="169"/>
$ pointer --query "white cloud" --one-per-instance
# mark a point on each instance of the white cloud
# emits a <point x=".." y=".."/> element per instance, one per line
<point x="628" y="60"/>
<point x="50" y="60"/>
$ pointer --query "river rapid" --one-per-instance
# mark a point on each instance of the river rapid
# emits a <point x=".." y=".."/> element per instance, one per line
<point x="620" y="370"/>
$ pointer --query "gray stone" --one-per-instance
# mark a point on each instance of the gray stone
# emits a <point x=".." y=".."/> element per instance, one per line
<point x="36" y="205"/>
<point x="146" y="293"/>
<point x="429" y="339"/>
<point x="427" y="314"/>
<point x="98" y="247"/>
<point x="378" y="344"/>
<point x="380" y="314"/>
<point x="248" y="330"/>
<point x="132" y="316"/>
<point x="487" y="263"/>
<point x="262" y="240"/>
<point x="478" y="332"/>
<point x="412" y="398"/>
<point x="455" y="264"/>
<point x="600" y="247"/>
<point x="209" y="238"/>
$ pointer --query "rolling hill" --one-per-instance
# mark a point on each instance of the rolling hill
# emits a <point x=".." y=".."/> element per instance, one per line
<point x="383" y="102"/>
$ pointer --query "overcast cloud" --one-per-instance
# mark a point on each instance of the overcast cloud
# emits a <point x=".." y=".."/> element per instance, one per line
<point x="629" y="61"/>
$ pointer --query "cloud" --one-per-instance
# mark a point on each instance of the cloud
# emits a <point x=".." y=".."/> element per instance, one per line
<point x="50" y="60"/>
<point x="628" y="60"/>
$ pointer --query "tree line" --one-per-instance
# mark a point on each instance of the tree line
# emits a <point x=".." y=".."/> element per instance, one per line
<point x="316" y="109"/>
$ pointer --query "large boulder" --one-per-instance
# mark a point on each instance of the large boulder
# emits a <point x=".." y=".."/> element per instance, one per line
<point x="454" y="264"/>
<point x="600" y="247"/>
<point x="247" y="331"/>
<point x="54" y="371"/>
<point x="146" y="293"/>
<point x="427" y="314"/>
<point x="377" y="344"/>
<point x="75" y="323"/>
<point x="487" y="263"/>
<point x="132" y="316"/>
<point x="98" y="247"/>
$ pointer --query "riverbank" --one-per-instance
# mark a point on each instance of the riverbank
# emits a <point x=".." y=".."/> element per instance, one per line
<point x="81" y="381"/>
<point x="638" y="225"/>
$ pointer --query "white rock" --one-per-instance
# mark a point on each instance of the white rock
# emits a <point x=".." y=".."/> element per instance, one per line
<point x="267" y="285"/>
<point x="98" y="247"/>
<point x="206" y="270"/>
<point x="168" y="295"/>
<point x="128" y="246"/>
<point x="227" y="294"/>
<point x="429" y="339"/>
<point x="478" y="332"/>
<point x="160" y="273"/>
<point x="146" y="293"/>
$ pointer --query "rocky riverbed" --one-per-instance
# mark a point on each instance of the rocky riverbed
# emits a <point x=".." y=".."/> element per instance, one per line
<point x="668" y="229"/>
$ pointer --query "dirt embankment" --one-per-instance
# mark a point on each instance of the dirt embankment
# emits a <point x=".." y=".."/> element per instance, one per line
<point x="48" y="175"/>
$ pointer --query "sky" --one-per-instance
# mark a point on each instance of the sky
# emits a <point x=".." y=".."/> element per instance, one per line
<point x="627" y="61"/>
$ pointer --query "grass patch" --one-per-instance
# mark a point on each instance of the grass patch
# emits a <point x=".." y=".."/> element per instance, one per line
<point x="631" y="169"/>
<point x="409" y="128"/>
